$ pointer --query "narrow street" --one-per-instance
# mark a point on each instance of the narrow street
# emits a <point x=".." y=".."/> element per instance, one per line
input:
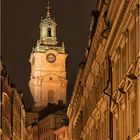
<point x="70" y="92"/>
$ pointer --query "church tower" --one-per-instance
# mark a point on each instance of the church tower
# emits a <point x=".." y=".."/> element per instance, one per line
<point x="48" y="82"/>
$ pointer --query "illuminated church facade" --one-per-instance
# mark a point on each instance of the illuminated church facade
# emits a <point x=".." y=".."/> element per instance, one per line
<point x="48" y="82"/>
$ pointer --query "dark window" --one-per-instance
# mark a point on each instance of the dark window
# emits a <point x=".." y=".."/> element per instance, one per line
<point x="49" y="32"/>
<point x="50" y="96"/>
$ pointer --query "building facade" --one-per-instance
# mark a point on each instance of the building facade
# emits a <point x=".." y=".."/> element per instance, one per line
<point x="50" y="120"/>
<point x="106" y="99"/>
<point x="18" y="116"/>
<point x="48" y="125"/>
<point x="1" y="68"/>
<point x="48" y="82"/>
<point x="29" y="135"/>
<point x="6" y="111"/>
<point x="12" y="110"/>
<point x="75" y="107"/>
<point x="62" y="133"/>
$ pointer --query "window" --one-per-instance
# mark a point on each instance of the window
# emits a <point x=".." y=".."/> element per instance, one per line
<point x="123" y="60"/>
<point x="50" y="96"/>
<point x="50" y="78"/>
<point x="123" y="124"/>
<point x="117" y="73"/>
<point x="132" y="44"/>
<point x="46" y="128"/>
<point x="49" y="32"/>
<point x="63" y="134"/>
<point x="116" y="129"/>
<point x="49" y="127"/>
<point x="57" y="137"/>
<point x="133" y="115"/>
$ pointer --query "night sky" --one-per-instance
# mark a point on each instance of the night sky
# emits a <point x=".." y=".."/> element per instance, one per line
<point x="20" y="32"/>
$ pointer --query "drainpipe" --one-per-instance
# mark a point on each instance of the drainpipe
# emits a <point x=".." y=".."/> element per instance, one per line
<point x="110" y="113"/>
<point x="109" y="86"/>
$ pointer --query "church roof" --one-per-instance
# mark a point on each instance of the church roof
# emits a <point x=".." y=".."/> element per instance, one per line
<point x="52" y="109"/>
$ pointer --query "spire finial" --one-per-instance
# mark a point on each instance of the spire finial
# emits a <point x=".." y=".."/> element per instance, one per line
<point x="48" y="9"/>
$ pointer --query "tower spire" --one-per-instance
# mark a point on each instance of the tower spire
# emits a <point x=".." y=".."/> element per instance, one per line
<point x="48" y="9"/>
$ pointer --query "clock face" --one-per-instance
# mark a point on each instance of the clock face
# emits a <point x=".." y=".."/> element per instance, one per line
<point x="51" y="57"/>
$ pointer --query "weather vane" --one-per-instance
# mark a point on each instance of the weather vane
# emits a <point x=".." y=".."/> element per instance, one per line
<point x="48" y="9"/>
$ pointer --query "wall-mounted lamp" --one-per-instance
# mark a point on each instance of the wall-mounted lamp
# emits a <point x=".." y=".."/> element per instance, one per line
<point x="121" y="90"/>
<point x="131" y="76"/>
